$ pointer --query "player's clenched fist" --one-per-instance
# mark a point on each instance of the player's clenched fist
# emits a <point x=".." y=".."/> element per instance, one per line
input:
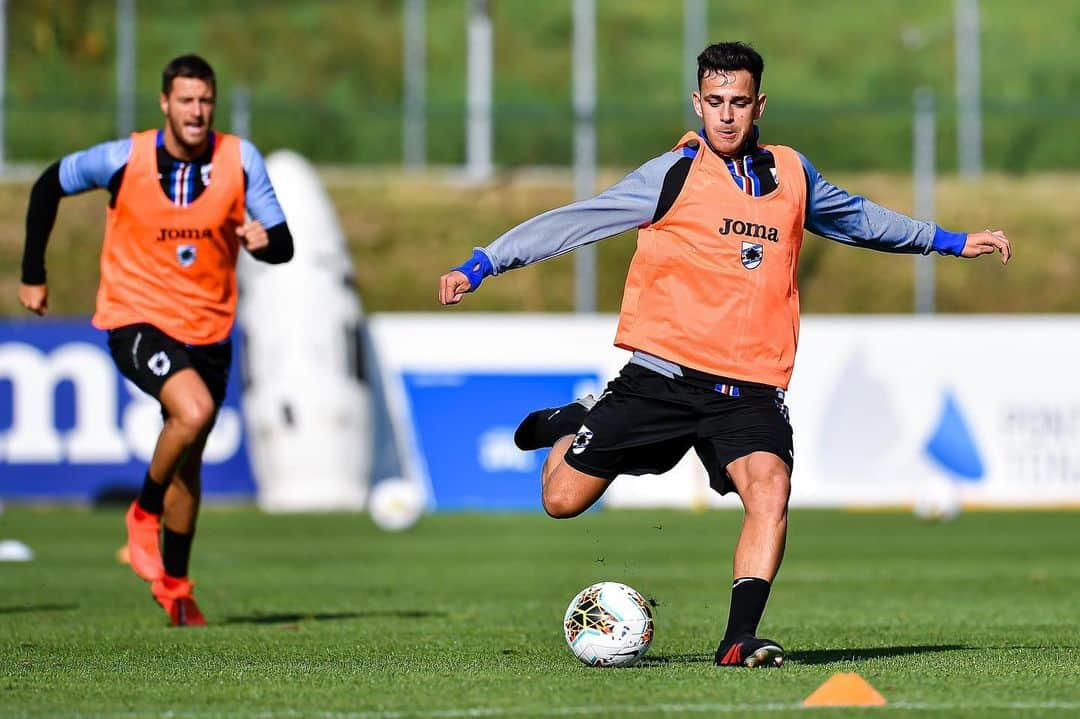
<point x="253" y="236"/>
<point x="34" y="298"/>
<point x="452" y="287"/>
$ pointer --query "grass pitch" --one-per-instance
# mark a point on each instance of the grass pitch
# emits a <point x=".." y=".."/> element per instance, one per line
<point x="326" y="616"/>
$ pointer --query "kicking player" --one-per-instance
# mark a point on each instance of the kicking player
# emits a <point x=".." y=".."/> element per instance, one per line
<point x="710" y="312"/>
<point x="174" y="226"/>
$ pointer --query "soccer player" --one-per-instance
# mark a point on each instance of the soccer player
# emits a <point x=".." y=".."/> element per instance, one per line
<point x="710" y="312"/>
<point x="174" y="227"/>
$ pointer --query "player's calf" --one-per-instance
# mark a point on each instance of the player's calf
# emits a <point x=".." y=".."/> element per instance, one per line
<point x="565" y="491"/>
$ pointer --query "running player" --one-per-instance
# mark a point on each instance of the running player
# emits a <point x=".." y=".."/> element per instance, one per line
<point x="174" y="227"/>
<point x="710" y="312"/>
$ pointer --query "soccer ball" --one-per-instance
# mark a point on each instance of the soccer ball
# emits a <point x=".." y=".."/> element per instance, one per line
<point x="608" y="625"/>
<point x="938" y="501"/>
<point x="395" y="504"/>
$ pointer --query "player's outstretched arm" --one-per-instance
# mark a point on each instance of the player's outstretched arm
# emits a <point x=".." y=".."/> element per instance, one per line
<point x="854" y="220"/>
<point x="629" y="203"/>
<point x="987" y="242"/>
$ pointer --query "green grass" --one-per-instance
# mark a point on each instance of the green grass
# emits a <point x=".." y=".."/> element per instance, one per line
<point x="325" y="616"/>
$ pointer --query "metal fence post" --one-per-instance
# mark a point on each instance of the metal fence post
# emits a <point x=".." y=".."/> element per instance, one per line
<point x="478" y="137"/>
<point x="924" y="176"/>
<point x="968" y="90"/>
<point x="584" y="82"/>
<point x="695" y="38"/>
<point x="414" y="67"/>
<point x="125" y="67"/>
<point x="3" y="84"/>
<point x="241" y="112"/>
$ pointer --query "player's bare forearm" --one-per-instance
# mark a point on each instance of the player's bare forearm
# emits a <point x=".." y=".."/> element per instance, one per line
<point x="452" y="287"/>
<point x="987" y="242"/>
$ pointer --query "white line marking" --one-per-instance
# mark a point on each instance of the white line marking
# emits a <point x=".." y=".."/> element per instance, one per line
<point x="668" y="709"/>
<point x="483" y="712"/>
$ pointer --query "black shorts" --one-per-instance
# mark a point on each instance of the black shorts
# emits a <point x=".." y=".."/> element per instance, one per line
<point x="645" y="422"/>
<point x="147" y="356"/>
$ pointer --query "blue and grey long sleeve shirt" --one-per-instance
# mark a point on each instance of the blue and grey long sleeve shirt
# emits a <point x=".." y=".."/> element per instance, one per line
<point x="647" y="193"/>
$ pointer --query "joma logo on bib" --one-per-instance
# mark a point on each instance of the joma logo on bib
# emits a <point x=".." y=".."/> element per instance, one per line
<point x="174" y="233"/>
<point x="749" y="229"/>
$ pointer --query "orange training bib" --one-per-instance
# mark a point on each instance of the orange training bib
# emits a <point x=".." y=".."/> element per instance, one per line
<point x="712" y="283"/>
<point x="173" y="267"/>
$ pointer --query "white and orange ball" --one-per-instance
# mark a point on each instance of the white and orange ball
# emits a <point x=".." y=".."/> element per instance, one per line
<point x="608" y="625"/>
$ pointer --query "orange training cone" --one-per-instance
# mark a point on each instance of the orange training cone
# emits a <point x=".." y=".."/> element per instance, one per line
<point x="845" y="690"/>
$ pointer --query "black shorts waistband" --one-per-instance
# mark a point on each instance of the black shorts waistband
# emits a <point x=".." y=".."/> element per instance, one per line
<point x="728" y="385"/>
<point x="724" y="385"/>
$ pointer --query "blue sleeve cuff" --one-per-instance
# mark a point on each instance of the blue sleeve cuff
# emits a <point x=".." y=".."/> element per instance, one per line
<point x="476" y="268"/>
<point x="948" y="243"/>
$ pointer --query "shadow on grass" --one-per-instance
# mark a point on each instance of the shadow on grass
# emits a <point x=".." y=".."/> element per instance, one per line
<point x="282" y="618"/>
<point x="24" y="608"/>
<point x="812" y="656"/>
<point x="829" y="656"/>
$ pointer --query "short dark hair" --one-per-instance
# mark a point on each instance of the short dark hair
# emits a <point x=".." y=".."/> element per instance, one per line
<point x="730" y="56"/>
<point x="187" y="66"/>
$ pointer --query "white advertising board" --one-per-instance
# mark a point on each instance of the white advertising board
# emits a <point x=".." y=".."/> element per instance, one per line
<point x="885" y="409"/>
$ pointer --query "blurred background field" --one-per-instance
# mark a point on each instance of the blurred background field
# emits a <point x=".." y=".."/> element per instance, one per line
<point x="325" y="77"/>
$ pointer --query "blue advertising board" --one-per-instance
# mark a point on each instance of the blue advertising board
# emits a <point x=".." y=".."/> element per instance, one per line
<point x="463" y="428"/>
<point x="72" y="428"/>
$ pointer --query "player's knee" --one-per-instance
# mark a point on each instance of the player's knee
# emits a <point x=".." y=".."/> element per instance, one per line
<point x="561" y="504"/>
<point x="195" y="417"/>
<point x="768" y="493"/>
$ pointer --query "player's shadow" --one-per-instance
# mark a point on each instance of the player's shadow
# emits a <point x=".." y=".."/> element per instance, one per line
<point x="291" y="617"/>
<point x="812" y="656"/>
<point x="26" y="608"/>
<point x="832" y="656"/>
